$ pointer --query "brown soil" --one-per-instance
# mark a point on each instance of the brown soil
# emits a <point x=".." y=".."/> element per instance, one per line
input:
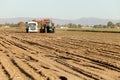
<point x="59" y="56"/>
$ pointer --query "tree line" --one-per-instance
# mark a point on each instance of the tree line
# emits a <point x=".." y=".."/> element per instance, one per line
<point x="19" y="24"/>
<point x="110" y="24"/>
<point x="9" y="24"/>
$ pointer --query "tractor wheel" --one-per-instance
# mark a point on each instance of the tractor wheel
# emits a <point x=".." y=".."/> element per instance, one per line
<point x="41" y="30"/>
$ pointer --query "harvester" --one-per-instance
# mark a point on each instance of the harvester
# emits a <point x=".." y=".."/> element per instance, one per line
<point x="46" y="26"/>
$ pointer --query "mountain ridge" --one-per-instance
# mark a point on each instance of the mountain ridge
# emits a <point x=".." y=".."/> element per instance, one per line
<point x="83" y="21"/>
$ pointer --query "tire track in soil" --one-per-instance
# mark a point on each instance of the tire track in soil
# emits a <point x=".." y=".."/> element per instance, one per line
<point x="37" y="44"/>
<point x="56" y="49"/>
<point x="4" y="75"/>
<point x="106" y="53"/>
<point x="47" y="47"/>
<point x="11" y="71"/>
<point x="42" y="46"/>
<point x="23" y="70"/>
<point x="94" y="63"/>
<point x="81" y="71"/>
<point x="43" y="66"/>
<point x="62" y="42"/>
<point x="100" y="52"/>
<point x="26" y="70"/>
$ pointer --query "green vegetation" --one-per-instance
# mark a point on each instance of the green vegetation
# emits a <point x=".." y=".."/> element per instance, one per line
<point x="103" y="30"/>
<point x="110" y="27"/>
<point x="8" y="24"/>
<point x="19" y="24"/>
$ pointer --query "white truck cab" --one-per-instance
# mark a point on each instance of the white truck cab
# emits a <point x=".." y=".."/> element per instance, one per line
<point x="31" y="26"/>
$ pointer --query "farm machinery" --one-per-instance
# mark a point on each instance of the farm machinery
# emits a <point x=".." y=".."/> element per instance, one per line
<point x="45" y="26"/>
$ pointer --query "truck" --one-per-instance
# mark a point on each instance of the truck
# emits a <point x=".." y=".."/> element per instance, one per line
<point x="31" y="26"/>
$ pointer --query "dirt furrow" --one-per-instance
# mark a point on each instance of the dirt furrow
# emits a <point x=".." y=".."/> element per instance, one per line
<point x="3" y="73"/>
<point x="12" y="72"/>
<point x="42" y="45"/>
<point x="58" y="56"/>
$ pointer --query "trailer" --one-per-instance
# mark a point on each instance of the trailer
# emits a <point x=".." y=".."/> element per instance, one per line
<point x="46" y="25"/>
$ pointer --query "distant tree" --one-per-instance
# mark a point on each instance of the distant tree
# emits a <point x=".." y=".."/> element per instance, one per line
<point x="79" y="25"/>
<point x="100" y="26"/>
<point x="104" y="26"/>
<point x="118" y="24"/>
<point x="97" y="26"/>
<point x="74" y="26"/>
<point x="1" y="25"/>
<point x="9" y="24"/>
<point x="21" y="24"/>
<point x="70" y="25"/>
<point x="110" y="24"/>
<point x="13" y="25"/>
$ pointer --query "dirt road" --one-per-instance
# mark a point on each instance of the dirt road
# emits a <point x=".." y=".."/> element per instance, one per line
<point x="60" y="56"/>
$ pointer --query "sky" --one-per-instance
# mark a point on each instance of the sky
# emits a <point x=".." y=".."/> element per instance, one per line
<point x="62" y="9"/>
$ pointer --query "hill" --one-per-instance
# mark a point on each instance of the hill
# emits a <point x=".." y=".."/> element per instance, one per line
<point x="83" y="21"/>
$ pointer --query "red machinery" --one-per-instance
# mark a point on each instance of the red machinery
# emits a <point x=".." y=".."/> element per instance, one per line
<point x="46" y="25"/>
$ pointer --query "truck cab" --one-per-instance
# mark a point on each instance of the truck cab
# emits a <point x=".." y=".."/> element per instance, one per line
<point x="31" y="26"/>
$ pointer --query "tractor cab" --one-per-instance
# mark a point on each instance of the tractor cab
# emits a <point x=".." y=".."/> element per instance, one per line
<point x="49" y="27"/>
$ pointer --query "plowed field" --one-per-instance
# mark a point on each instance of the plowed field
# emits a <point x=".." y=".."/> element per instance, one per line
<point x="60" y="56"/>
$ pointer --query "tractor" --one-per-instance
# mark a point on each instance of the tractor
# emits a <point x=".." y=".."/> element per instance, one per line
<point x="46" y="26"/>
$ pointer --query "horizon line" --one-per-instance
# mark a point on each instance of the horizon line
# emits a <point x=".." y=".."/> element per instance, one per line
<point x="61" y="18"/>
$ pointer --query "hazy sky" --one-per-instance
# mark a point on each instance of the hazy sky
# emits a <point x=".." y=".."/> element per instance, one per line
<point x="63" y="9"/>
